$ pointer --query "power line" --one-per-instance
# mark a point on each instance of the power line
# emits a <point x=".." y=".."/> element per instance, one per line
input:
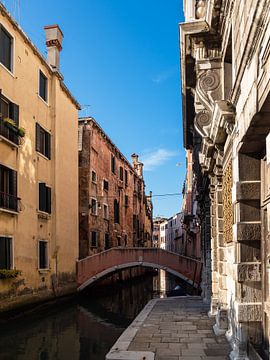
<point x="172" y="194"/>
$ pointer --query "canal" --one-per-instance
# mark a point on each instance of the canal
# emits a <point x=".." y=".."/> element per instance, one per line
<point x="84" y="328"/>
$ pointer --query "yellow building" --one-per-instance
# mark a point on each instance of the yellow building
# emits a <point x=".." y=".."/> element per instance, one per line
<point x="38" y="170"/>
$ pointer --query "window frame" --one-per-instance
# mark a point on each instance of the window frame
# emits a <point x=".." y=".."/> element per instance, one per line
<point x="121" y="173"/>
<point x="93" y="172"/>
<point x="12" y="51"/>
<point x="113" y="164"/>
<point x="92" y="207"/>
<point x="106" y="206"/>
<point x="46" y="99"/>
<point x="48" y="198"/>
<point x="47" y="263"/>
<point x="43" y="137"/>
<point x="11" y="238"/>
<point x="91" y="239"/>
<point x="12" y="192"/>
<point x="105" y="180"/>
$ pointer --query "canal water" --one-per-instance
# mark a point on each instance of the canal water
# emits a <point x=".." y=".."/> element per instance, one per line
<point x="84" y="328"/>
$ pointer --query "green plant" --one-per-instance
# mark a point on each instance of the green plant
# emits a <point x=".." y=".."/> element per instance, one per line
<point x="10" y="122"/>
<point x="9" y="274"/>
<point x="21" y="132"/>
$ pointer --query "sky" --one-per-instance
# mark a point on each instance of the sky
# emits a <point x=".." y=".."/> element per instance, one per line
<point x="121" y="61"/>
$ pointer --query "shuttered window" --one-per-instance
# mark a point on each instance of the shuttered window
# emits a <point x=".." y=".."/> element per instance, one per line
<point x="121" y="173"/>
<point x="94" y="239"/>
<point x="43" y="254"/>
<point x="105" y="185"/>
<point x="8" y="188"/>
<point x="43" y="86"/>
<point x="44" y="198"/>
<point x="5" y="253"/>
<point x="6" y="44"/>
<point x="126" y="177"/>
<point x="113" y="164"/>
<point x="116" y="212"/>
<point x="43" y="141"/>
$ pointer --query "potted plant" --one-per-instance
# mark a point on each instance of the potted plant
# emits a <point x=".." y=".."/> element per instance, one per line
<point x="21" y="132"/>
<point x="9" y="273"/>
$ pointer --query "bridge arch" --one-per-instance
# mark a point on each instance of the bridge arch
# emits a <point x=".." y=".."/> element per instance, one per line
<point x="107" y="262"/>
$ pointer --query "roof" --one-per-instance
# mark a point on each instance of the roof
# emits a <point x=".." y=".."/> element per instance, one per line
<point x="90" y="119"/>
<point x="36" y="51"/>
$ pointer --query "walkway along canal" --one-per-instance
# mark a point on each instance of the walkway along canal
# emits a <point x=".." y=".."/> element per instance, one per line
<point x="81" y="329"/>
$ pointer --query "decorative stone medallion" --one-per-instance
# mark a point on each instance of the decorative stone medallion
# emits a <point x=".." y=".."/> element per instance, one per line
<point x="203" y="118"/>
<point x="209" y="81"/>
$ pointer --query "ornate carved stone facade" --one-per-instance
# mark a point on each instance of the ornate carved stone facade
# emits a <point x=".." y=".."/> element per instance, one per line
<point x="227" y="204"/>
<point x="225" y="69"/>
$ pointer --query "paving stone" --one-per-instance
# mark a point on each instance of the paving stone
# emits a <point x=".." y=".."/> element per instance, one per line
<point x="180" y="329"/>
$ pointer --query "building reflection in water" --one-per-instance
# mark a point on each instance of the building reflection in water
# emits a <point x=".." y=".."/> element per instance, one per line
<point x="82" y="330"/>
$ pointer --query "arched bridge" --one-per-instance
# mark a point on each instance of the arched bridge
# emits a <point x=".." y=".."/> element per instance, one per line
<point x="97" y="266"/>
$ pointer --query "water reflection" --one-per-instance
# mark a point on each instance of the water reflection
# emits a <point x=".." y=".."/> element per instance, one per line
<point x="83" y="329"/>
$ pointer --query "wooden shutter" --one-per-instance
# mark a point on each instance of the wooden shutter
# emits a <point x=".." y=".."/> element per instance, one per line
<point x="13" y="182"/>
<point x="37" y="137"/>
<point x="42" y="197"/>
<point x="48" y="200"/>
<point x="48" y="144"/>
<point x="1" y="102"/>
<point x="14" y="112"/>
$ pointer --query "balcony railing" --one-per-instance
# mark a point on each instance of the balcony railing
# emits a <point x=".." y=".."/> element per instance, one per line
<point x="9" y="132"/>
<point x="9" y="202"/>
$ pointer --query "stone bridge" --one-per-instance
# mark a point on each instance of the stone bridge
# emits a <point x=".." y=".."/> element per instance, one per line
<point x="97" y="266"/>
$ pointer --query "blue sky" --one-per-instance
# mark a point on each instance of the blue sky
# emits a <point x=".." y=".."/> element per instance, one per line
<point x="121" y="57"/>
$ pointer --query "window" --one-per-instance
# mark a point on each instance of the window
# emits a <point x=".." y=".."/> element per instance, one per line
<point x="44" y="198"/>
<point x="113" y="163"/>
<point x="93" y="206"/>
<point x="8" y="188"/>
<point x="9" y="110"/>
<point x="5" y="253"/>
<point x="94" y="239"/>
<point x="43" y="85"/>
<point x="121" y="173"/>
<point x="126" y="200"/>
<point x="43" y="141"/>
<point x="126" y="177"/>
<point x="116" y="211"/>
<point x="94" y="176"/>
<point x="105" y="211"/>
<point x="43" y="254"/>
<point x="126" y="240"/>
<point x="6" y="46"/>
<point x="118" y="240"/>
<point x="106" y="185"/>
<point x="107" y="241"/>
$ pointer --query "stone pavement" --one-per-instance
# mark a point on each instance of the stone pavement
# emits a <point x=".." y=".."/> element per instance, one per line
<point x="171" y="329"/>
<point x="179" y="329"/>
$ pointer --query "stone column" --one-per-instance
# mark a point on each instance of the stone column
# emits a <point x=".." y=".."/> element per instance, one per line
<point x="246" y="309"/>
<point x="214" y="264"/>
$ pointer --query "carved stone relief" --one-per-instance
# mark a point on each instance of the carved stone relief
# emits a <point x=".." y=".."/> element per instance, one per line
<point x="227" y="204"/>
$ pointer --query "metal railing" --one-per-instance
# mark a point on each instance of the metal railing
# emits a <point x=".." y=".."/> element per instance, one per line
<point x="9" y="202"/>
<point x="9" y="132"/>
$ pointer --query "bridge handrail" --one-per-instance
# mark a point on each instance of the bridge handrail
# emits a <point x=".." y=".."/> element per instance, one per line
<point x="138" y="248"/>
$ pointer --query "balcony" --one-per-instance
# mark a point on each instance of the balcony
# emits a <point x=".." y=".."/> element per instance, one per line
<point x="9" y="202"/>
<point x="9" y="132"/>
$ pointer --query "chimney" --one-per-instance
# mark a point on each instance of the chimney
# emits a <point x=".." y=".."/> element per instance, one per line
<point x="137" y="165"/>
<point x="54" y="37"/>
